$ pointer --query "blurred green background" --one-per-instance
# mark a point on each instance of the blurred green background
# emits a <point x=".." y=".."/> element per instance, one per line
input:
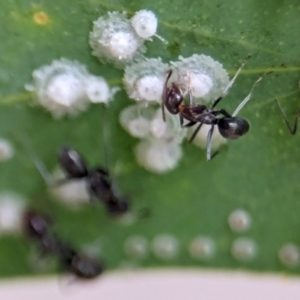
<point x="259" y="173"/>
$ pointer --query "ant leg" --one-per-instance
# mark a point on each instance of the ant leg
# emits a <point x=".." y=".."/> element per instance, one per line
<point x="224" y="113"/>
<point x="231" y="82"/>
<point x="189" y="124"/>
<point x="214" y="155"/>
<point x="195" y="133"/>
<point x="164" y="95"/>
<point x="294" y="129"/>
<point x="209" y="139"/>
<point x="181" y="121"/>
<point x="243" y="103"/>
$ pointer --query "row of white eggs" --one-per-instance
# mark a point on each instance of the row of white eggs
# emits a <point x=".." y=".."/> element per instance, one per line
<point x="164" y="246"/>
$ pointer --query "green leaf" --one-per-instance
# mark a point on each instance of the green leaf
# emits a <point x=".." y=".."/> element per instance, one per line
<point x="259" y="172"/>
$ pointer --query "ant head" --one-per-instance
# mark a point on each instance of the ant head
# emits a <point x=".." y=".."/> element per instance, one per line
<point x="232" y="127"/>
<point x="85" y="267"/>
<point x="35" y="224"/>
<point x="172" y="96"/>
<point x="72" y="163"/>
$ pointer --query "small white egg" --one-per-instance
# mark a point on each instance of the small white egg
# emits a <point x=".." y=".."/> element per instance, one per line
<point x="239" y="220"/>
<point x="165" y="246"/>
<point x="202" y="247"/>
<point x="136" y="247"/>
<point x="244" y="249"/>
<point x="289" y="255"/>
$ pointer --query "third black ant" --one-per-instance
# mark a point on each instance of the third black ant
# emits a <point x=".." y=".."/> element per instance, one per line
<point x="230" y="126"/>
<point x="99" y="183"/>
<point x="38" y="227"/>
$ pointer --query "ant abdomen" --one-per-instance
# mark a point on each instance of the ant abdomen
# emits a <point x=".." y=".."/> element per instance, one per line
<point x="82" y="266"/>
<point x="232" y="128"/>
<point x="117" y="208"/>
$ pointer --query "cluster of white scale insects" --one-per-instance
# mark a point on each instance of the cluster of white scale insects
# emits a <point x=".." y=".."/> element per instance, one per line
<point x="200" y="79"/>
<point x="66" y="87"/>
<point x="118" y="40"/>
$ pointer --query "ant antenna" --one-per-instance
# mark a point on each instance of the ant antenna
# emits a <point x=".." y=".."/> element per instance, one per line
<point x="37" y="162"/>
<point x="243" y="103"/>
<point x="164" y="95"/>
<point x="231" y="82"/>
<point x="105" y="147"/>
<point x="107" y="158"/>
<point x="294" y="129"/>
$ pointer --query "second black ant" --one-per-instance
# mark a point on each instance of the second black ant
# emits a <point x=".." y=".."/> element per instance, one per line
<point x="99" y="183"/>
<point x="230" y="126"/>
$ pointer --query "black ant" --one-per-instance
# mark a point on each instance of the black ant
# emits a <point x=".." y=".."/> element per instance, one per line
<point x="293" y="129"/>
<point x="98" y="180"/>
<point x="99" y="183"/>
<point x="38" y="227"/>
<point x="230" y="126"/>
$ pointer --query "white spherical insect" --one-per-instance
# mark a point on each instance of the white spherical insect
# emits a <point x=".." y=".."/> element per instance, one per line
<point x="6" y="150"/>
<point x="170" y="130"/>
<point x="113" y="40"/>
<point x="165" y="246"/>
<point x="144" y="23"/>
<point x="144" y="80"/>
<point x="158" y="155"/>
<point x="201" y="138"/>
<point x="201" y="76"/>
<point x="73" y="193"/>
<point x="239" y="220"/>
<point x="244" y="249"/>
<point x="289" y="255"/>
<point x="146" y="122"/>
<point x="202" y="247"/>
<point x="12" y="207"/>
<point x="97" y="89"/>
<point x="136" y="119"/>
